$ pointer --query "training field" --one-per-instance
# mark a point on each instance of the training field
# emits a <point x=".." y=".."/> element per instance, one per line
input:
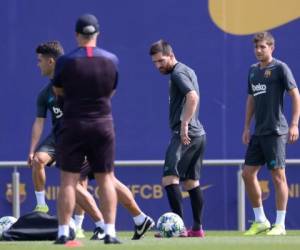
<point x="215" y="240"/>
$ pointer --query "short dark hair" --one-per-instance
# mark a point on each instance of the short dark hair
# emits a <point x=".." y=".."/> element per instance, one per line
<point x="160" y="46"/>
<point x="264" y="36"/>
<point x="50" y="49"/>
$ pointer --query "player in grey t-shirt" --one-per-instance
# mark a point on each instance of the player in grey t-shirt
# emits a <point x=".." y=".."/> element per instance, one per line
<point x="185" y="152"/>
<point x="267" y="82"/>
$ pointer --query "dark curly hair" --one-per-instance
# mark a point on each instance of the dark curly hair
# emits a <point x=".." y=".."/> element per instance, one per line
<point x="50" y="49"/>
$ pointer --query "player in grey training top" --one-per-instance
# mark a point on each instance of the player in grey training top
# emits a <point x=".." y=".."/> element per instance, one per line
<point x="267" y="86"/>
<point x="267" y="82"/>
<point x="185" y="152"/>
<point x="183" y="80"/>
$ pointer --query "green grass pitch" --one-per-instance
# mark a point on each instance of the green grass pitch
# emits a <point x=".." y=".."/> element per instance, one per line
<point x="214" y="240"/>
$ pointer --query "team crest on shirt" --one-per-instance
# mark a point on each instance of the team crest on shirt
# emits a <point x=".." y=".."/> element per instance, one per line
<point x="267" y="73"/>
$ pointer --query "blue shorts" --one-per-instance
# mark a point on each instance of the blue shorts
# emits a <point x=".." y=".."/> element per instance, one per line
<point x="267" y="149"/>
<point x="48" y="146"/>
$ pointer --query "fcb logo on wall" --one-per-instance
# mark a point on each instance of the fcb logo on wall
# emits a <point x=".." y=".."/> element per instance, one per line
<point x="9" y="192"/>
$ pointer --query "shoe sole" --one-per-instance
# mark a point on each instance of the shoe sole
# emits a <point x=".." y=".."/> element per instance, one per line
<point x="263" y="231"/>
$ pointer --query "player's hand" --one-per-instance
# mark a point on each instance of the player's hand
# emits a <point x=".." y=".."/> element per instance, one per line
<point x="29" y="160"/>
<point x="293" y="133"/>
<point x="185" y="139"/>
<point x="246" y="136"/>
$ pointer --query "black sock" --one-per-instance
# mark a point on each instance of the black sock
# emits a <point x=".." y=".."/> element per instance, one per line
<point x="197" y="205"/>
<point x="175" y="198"/>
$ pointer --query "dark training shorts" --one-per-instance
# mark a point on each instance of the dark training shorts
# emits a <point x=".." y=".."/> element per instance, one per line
<point x="86" y="171"/>
<point x="48" y="146"/>
<point x="266" y="149"/>
<point x="184" y="161"/>
<point x="89" y="139"/>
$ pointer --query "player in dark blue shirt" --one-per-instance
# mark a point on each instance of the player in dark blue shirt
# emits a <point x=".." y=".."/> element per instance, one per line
<point x="44" y="154"/>
<point x="87" y="78"/>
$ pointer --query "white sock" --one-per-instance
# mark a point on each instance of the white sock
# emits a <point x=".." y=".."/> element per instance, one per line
<point x="259" y="214"/>
<point x="280" y="217"/>
<point x="63" y="230"/>
<point x="100" y="223"/>
<point x="78" y="221"/>
<point x="139" y="219"/>
<point x="40" y="197"/>
<point x="110" y="230"/>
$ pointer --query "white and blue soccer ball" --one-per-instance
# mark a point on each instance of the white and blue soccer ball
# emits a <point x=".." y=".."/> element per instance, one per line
<point x="5" y="223"/>
<point x="170" y="225"/>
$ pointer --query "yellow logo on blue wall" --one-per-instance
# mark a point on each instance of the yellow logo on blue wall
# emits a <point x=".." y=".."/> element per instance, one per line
<point x="244" y="17"/>
<point x="9" y="192"/>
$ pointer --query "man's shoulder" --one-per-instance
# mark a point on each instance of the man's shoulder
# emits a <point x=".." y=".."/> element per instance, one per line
<point x="106" y="54"/>
<point x="280" y="64"/>
<point x="254" y="65"/>
<point x="181" y="68"/>
<point x="45" y="90"/>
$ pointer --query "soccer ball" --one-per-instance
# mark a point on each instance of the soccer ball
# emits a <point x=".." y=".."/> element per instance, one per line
<point x="5" y="223"/>
<point x="170" y="225"/>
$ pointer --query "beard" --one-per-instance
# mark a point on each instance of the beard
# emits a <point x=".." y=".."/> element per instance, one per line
<point x="165" y="70"/>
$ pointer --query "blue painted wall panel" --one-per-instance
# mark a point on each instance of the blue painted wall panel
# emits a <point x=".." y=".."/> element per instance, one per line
<point x="128" y="28"/>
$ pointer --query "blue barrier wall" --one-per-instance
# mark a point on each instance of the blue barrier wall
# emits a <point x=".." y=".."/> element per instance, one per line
<point x="220" y="59"/>
<point x="219" y="188"/>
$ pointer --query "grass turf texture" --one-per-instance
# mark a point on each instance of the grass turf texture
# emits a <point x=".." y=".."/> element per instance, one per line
<point x="215" y="240"/>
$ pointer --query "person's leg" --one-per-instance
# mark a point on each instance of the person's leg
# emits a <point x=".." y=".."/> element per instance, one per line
<point x="39" y="162"/>
<point x="255" y="157"/>
<point x="87" y="202"/>
<point x="281" y="188"/>
<point x="252" y="186"/>
<point x="190" y="167"/>
<point x="108" y="197"/>
<point x="196" y="198"/>
<point x="171" y="185"/>
<point x="281" y="195"/>
<point x="125" y="198"/>
<point x="66" y="203"/>
<point x="254" y="193"/>
<point x="170" y="180"/>
<point x="275" y="151"/>
<point x="79" y="211"/>
<point x="142" y="222"/>
<point x="44" y="155"/>
<point x="100" y="154"/>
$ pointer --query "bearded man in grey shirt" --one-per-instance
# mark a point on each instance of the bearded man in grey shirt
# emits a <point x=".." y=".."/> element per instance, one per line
<point x="185" y="152"/>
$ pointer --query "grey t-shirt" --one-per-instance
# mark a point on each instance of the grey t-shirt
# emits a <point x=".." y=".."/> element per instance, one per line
<point x="267" y="86"/>
<point x="47" y="101"/>
<point x="183" y="80"/>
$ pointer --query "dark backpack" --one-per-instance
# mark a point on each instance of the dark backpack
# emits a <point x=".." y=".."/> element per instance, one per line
<point x="33" y="226"/>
